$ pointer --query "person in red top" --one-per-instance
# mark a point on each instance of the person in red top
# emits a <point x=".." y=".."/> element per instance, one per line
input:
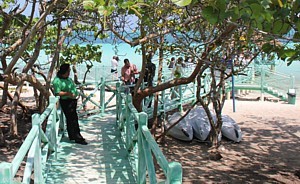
<point x="128" y="72"/>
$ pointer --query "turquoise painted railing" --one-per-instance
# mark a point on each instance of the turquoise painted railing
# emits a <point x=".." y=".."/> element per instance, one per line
<point x="141" y="145"/>
<point x="265" y="81"/>
<point x="173" y="98"/>
<point x="38" y="147"/>
<point x="98" y="87"/>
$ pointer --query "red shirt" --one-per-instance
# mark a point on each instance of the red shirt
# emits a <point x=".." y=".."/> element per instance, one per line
<point x="129" y="72"/>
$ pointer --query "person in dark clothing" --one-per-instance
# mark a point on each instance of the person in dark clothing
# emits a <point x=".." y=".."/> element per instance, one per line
<point x="172" y="63"/>
<point x="149" y="74"/>
<point x="66" y="89"/>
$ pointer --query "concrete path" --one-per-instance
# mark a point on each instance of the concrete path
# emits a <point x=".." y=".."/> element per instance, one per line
<point x="103" y="160"/>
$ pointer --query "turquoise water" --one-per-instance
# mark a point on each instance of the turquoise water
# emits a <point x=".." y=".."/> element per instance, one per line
<point x="126" y="51"/>
<point x="123" y="51"/>
<point x="293" y="69"/>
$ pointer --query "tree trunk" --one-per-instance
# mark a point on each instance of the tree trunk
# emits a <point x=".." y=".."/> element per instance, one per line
<point x="4" y="94"/>
<point x="30" y="36"/>
<point x="25" y="70"/>
<point x="214" y="153"/>
<point x="14" y="109"/>
<point x="13" y="123"/>
<point x="76" y="81"/>
<point x="36" y="97"/>
<point x="42" y="103"/>
<point x="55" y="60"/>
<point x="2" y="139"/>
<point x="137" y="97"/>
<point x="159" y="81"/>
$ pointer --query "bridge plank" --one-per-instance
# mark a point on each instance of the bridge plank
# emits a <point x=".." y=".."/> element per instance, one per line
<point x="103" y="160"/>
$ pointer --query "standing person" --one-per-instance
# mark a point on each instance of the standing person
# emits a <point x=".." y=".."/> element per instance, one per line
<point x="128" y="72"/>
<point x="149" y="74"/>
<point x="66" y="89"/>
<point x="177" y="73"/>
<point x="150" y="71"/>
<point x="172" y="63"/>
<point x="114" y="66"/>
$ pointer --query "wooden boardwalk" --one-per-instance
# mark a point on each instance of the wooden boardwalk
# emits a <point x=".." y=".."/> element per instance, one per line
<point x="103" y="160"/>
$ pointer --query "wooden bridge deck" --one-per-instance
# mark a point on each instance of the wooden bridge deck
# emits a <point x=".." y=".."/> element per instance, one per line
<point x="103" y="160"/>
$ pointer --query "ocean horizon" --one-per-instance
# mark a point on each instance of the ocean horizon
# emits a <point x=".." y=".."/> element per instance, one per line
<point x="124" y="51"/>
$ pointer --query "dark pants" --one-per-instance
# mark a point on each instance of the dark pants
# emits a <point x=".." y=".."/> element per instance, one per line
<point x="131" y="89"/>
<point x="69" y="108"/>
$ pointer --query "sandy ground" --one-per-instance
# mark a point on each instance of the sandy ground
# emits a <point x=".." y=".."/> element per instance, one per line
<point x="268" y="153"/>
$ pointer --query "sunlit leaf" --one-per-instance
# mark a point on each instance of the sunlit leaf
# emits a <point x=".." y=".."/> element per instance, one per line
<point x="89" y="5"/>
<point x="182" y="2"/>
<point x="101" y="10"/>
<point x="137" y="13"/>
<point x="280" y="3"/>
<point x="99" y="2"/>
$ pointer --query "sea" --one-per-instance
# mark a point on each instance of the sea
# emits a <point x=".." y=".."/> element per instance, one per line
<point x="123" y="51"/>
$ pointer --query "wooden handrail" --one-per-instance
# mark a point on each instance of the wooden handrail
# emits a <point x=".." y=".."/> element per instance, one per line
<point x="141" y="145"/>
<point x="37" y="154"/>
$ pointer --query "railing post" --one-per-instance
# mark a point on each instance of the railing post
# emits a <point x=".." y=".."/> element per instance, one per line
<point x="54" y="133"/>
<point x="163" y="99"/>
<point x="60" y="114"/>
<point x="174" y="175"/>
<point x="118" y="102"/>
<point x="252" y="74"/>
<point x="102" y="95"/>
<point x="180" y="98"/>
<point x="38" y="175"/>
<point x="6" y="173"/>
<point x="141" y="170"/>
<point x="127" y="116"/>
<point x="144" y="99"/>
<point x="262" y="80"/>
<point x="195" y="83"/>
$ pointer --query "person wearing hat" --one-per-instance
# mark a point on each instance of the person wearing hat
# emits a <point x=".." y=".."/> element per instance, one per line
<point x="65" y="88"/>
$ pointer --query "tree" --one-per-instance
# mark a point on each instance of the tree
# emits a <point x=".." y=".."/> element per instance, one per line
<point x="211" y="32"/>
<point x="57" y="24"/>
<point x="229" y="29"/>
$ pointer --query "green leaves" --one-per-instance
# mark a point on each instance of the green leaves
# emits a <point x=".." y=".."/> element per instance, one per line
<point x="280" y="27"/>
<point x="182" y="2"/>
<point x="89" y="4"/>
<point x="210" y="15"/>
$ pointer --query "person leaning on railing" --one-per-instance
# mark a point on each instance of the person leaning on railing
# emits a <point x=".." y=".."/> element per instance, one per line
<point x="128" y="73"/>
<point x="66" y="89"/>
